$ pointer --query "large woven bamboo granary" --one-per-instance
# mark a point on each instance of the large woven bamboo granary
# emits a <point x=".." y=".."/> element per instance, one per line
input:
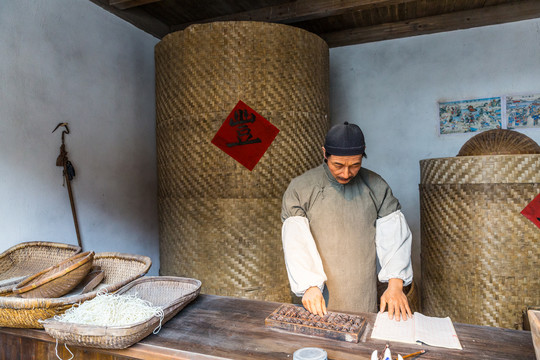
<point x="219" y="222"/>
<point x="480" y="256"/>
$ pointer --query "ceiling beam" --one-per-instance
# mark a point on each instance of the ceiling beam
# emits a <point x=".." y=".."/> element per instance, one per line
<point x="128" y="4"/>
<point x="137" y="17"/>
<point x="489" y="15"/>
<point x="299" y="10"/>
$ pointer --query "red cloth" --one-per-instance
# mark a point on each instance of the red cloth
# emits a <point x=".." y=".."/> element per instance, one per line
<point x="532" y="211"/>
<point x="245" y="135"/>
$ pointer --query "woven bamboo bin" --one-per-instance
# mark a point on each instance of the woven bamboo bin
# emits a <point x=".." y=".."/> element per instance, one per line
<point x="220" y="222"/>
<point x="480" y="256"/>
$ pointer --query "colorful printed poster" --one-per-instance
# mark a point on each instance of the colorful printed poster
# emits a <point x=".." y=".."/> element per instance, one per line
<point x="466" y="116"/>
<point x="523" y="111"/>
<point x="245" y="135"/>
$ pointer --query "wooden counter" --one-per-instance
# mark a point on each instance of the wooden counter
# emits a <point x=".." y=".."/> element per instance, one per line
<point x="215" y="327"/>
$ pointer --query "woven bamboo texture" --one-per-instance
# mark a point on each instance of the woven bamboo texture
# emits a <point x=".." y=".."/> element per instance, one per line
<point x="480" y="256"/>
<point x="499" y="142"/>
<point x="219" y="222"/>
<point x="29" y="258"/>
<point x="56" y="280"/>
<point x="120" y="269"/>
<point x="170" y="293"/>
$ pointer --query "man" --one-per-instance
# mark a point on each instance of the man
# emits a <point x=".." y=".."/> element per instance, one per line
<point x="339" y="221"/>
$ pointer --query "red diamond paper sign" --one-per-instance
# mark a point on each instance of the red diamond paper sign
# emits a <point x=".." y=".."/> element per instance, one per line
<point x="245" y="135"/>
<point x="532" y="211"/>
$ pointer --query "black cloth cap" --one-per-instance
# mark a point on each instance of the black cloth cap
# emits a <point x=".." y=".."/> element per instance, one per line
<point x="345" y="140"/>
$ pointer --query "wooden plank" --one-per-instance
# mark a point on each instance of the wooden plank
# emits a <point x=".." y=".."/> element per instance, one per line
<point x="300" y="10"/>
<point x="138" y="18"/>
<point x="11" y="347"/>
<point x="128" y="4"/>
<point x="233" y="328"/>
<point x="215" y="327"/>
<point x="516" y="11"/>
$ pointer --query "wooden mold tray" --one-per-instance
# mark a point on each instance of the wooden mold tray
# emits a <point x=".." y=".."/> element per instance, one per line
<point x="333" y="325"/>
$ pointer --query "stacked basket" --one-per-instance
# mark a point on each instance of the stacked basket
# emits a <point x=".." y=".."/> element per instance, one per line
<point x="480" y="256"/>
<point x="59" y="270"/>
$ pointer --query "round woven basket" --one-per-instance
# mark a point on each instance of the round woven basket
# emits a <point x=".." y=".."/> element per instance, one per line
<point x="219" y="222"/>
<point x="499" y="142"/>
<point x="480" y="256"/>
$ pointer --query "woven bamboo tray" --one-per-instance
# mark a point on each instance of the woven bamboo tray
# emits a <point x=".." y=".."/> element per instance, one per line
<point x="56" y="280"/>
<point x="169" y="292"/>
<point x="28" y="258"/>
<point x="120" y="269"/>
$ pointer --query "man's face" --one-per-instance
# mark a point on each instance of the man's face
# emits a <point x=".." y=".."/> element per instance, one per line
<point x="344" y="168"/>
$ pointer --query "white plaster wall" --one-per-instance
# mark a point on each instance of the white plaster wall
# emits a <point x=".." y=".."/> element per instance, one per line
<point x="391" y="89"/>
<point x="71" y="61"/>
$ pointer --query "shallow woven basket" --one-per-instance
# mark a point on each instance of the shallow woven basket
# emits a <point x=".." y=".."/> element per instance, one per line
<point x="220" y="222"/>
<point x="172" y="294"/>
<point x="56" y="280"/>
<point x="480" y="256"/>
<point x="120" y="269"/>
<point x="499" y="142"/>
<point x="29" y="258"/>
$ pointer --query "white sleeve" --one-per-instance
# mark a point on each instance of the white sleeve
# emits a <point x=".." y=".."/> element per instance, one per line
<point x="393" y="241"/>
<point x="303" y="262"/>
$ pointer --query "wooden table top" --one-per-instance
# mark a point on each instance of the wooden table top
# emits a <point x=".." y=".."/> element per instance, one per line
<point x="216" y="327"/>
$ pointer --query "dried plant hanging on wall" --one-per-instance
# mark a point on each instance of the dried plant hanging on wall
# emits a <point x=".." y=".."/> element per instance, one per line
<point x="68" y="174"/>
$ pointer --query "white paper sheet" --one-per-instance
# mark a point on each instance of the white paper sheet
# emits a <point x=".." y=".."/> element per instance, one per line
<point x="431" y="331"/>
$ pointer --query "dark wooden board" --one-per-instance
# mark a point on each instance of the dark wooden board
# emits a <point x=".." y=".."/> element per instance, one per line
<point x="217" y="327"/>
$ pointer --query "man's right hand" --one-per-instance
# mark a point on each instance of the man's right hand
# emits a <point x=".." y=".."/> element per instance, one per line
<point x="313" y="301"/>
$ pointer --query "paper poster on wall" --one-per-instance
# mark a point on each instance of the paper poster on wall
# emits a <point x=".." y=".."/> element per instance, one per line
<point x="523" y="111"/>
<point x="464" y="116"/>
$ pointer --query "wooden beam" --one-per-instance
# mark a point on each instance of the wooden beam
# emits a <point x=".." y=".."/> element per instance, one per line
<point x="300" y="10"/>
<point x="138" y="18"/>
<point x="491" y="15"/>
<point x="128" y="4"/>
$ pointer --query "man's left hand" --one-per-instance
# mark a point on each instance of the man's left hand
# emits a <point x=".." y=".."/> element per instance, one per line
<point x="398" y="305"/>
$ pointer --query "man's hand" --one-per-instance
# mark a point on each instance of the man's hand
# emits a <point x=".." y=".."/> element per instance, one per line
<point x="398" y="305"/>
<point x="313" y="301"/>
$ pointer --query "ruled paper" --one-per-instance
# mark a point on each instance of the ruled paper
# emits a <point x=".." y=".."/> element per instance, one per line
<point x="428" y="330"/>
<point x="392" y="330"/>
<point x="436" y="331"/>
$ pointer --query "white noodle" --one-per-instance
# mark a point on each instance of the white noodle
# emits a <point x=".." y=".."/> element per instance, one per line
<point x="56" y="350"/>
<point x="112" y="310"/>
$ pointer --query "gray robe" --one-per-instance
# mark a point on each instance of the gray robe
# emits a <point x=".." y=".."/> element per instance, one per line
<point x="342" y="221"/>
